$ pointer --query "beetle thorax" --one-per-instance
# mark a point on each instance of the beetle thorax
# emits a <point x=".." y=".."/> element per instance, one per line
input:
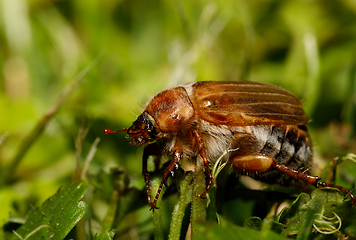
<point x="171" y="109"/>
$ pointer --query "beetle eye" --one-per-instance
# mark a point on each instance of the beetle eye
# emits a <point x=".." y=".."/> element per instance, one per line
<point x="152" y="131"/>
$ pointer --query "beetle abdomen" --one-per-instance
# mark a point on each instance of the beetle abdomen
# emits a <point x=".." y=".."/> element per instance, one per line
<point x="294" y="151"/>
<point x="288" y="148"/>
<point x="288" y="145"/>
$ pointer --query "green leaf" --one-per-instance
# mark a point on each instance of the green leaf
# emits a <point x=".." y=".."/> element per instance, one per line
<point x="108" y="235"/>
<point x="253" y="222"/>
<point x="257" y="224"/>
<point x="226" y="230"/>
<point x="324" y="212"/>
<point x="57" y="215"/>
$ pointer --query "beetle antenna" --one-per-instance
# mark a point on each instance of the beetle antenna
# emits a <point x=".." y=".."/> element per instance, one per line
<point x="109" y="131"/>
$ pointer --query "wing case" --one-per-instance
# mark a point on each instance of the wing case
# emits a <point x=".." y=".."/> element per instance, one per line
<point x="245" y="103"/>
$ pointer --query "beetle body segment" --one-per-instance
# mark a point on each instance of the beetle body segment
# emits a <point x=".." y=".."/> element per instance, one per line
<point x="287" y="145"/>
<point x="263" y="123"/>
<point x="246" y="103"/>
<point x="171" y="109"/>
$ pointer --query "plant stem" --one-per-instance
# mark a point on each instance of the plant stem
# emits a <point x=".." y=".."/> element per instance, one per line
<point x="198" y="213"/>
<point x="110" y="216"/>
<point x="185" y="197"/>
<point x="211" y="209"/>
<point x="157" y="214"/>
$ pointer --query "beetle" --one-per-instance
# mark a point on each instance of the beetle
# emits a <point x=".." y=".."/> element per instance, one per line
<point x="264" y="123"/>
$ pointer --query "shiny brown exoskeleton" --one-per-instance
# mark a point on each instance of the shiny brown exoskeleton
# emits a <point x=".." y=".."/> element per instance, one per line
<point x="264" y="124"/>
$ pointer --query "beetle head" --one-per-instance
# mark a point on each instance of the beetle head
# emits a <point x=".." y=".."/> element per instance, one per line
<point x="167" y="113"/>
<point x="143" y="130"/>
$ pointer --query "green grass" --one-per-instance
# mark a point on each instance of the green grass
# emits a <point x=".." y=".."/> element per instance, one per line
<point x="67" y="66"/>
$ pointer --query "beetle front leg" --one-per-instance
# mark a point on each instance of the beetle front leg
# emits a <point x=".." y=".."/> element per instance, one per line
<point x="208" y="175"/>
<point x="153" y="149"/>
<point x="177" y="155"/>
<point x="149" y="150"/>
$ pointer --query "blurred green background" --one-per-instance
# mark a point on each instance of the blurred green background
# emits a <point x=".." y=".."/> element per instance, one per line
<point x="142" y="47"/>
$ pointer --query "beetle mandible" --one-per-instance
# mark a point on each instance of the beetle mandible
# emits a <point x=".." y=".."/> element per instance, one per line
<point x="265" y="123"/>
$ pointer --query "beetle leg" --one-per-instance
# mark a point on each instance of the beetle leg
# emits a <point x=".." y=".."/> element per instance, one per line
<point x="177" y="155"/>
<point x="263" y="163"/>
<point x="153" y="150"/>
<point x="208" y="176"/>
<point x="149" y="150"/>
<point x="314" y="181"/>
<point x="253" y="162"/>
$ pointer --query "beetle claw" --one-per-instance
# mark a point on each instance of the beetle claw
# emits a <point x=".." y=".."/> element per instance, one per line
<point x="153" y="208"/>
<point x="202" y="196"/>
